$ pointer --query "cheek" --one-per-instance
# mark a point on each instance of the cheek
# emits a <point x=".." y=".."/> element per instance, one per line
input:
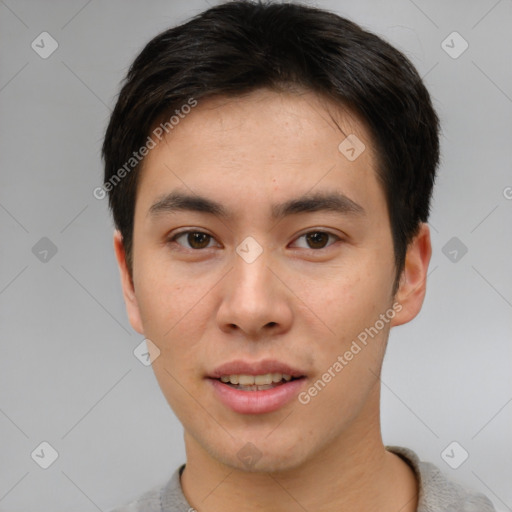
<point x="175" y="311"/>
<point x="173" y="320"/>
<point x="351" y="299"/>
<point x="350" y="305"/>
<point x="164" y="297"/>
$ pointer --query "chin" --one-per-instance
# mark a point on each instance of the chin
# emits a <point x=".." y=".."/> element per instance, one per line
<point x="262" y="456"/>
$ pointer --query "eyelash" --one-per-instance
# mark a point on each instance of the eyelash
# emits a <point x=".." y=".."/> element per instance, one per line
<point x="181" y="233"/>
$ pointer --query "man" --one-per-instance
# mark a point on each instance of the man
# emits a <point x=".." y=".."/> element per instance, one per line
<point x="269" y="169"/>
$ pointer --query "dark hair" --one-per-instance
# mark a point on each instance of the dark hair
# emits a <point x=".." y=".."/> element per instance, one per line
<point x="240" y="46"/>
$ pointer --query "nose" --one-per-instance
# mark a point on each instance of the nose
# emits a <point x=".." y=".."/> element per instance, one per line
<point x="254" y="300"/>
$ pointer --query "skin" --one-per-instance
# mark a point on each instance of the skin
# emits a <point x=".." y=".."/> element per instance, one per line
<point x="301" y="305"/>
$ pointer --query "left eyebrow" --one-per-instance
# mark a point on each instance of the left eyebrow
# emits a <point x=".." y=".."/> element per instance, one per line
<point x="308" y="203"/>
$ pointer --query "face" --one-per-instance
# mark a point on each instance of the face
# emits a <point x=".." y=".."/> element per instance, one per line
<point x="289" y="260"/>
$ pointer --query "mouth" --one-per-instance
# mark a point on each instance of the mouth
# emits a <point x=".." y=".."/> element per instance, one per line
<point x="256" y="387"/>
<point x="257" y="382"/>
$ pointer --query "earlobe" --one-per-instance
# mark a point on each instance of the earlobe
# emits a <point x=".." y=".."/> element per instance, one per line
<point x="130" y="299"/>
<point x="413" y="281"/>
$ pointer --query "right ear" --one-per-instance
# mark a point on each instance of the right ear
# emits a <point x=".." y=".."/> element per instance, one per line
<point x="132" y="306"/>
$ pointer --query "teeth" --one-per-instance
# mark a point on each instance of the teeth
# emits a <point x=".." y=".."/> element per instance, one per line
<point x="259" y="380"/>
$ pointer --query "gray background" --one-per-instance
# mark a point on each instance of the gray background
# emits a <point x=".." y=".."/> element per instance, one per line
<point x="68" y="375"/>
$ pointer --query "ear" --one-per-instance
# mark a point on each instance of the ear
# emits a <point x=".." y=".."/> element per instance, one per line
<point x="132" y="306"/>
<point x="413" y="280"/>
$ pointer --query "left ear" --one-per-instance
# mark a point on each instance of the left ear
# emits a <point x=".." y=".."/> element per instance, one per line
<point x="413" y="281"/>
<point x="132" y="305"/>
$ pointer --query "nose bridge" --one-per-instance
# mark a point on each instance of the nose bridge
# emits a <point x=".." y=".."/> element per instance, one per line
<point x="251" y="277"/>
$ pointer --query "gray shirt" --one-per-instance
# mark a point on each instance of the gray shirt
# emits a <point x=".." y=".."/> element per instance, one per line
<point x="436" y="492"/>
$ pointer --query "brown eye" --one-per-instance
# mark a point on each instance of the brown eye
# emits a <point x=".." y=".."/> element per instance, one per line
<point x="198" y="240"/>
<point x="317" y="239"/>
<point x="195" y="239"/>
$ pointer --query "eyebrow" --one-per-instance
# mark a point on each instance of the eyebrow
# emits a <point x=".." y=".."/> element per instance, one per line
<point x="313" y="202"/>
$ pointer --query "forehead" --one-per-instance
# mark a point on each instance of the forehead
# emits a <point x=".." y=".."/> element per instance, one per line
<point x="264" y="142"/>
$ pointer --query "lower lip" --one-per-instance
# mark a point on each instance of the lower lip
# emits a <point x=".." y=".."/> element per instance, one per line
<point x="257" y="402"/>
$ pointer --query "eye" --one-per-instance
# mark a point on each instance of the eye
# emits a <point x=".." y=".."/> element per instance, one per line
<point x="317" y="239"/>
<point x="195" y="239"/>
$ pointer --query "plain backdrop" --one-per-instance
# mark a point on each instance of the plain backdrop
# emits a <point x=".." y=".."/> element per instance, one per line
<point x="68" y="375"/>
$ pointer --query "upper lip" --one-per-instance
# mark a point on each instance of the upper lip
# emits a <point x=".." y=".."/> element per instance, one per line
<point x="241" y="367"/>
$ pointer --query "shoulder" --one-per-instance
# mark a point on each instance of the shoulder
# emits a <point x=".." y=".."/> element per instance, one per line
<point x="437" y="493"/>
<point x="148" y="502"/>
<point x="166" y="497"/>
